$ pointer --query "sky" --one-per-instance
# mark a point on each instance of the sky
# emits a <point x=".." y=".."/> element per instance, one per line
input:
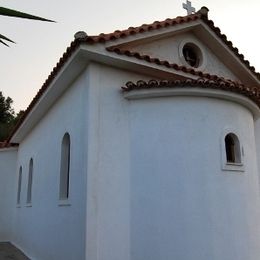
<point x="25" y="66"/>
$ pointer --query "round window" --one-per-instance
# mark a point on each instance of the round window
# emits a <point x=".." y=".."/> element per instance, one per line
<point x="192" y="55"/>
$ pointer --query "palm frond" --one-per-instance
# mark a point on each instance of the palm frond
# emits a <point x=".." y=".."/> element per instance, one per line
<point x="4" y="43"/>
<point x="10" y="12"/>
<point x="5" y="38"/>
<point x="13" y="13"/>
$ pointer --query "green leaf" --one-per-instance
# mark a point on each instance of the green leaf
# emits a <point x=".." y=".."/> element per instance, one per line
<point x="10" y="12"/>
<point x="5" y="38"/>
<point x="4" y="43"/>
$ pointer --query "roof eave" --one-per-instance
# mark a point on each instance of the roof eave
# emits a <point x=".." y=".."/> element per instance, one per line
<point x="232" y="61"/>
<point x="67" y="73"/>
<point x="78" y="61"/>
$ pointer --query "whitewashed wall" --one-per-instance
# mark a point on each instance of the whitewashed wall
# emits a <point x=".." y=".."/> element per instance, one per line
<point x="47" y="230"/>
<point x="183" y="205"/>
<point x="7" y="191"/>
<point x="257" y="142"/>
<point x="108" y="185"/>
<point x="156" y="189"/>
<point x="151" y="169"/>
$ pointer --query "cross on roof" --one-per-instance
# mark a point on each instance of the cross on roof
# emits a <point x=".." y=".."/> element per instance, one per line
<point x="188" y="7"/>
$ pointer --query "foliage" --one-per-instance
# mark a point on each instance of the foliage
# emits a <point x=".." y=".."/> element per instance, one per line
<point x="14" y="13"/>
<point x="6" y="110"/>
<point x="7" y="116"/>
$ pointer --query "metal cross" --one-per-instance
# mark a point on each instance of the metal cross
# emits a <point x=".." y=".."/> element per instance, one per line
<point x="188" y="7"/>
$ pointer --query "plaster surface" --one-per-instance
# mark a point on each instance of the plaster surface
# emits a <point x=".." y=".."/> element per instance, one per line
<point x="49" y="228"/>
<point x="183" y="206"/>
<point x="146" y="175"/>
<point x="156" y="188"/>
<point x="169" y="49"/>
<point x="7" y="191"/>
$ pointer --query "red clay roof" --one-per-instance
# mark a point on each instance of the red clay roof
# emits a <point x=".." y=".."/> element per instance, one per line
<point x="201" y="14"/>
<point x="164" y="63"/>
<point x="102" y="38"/>
<point x="226" y="85"/>
<point x="7" y="145"/>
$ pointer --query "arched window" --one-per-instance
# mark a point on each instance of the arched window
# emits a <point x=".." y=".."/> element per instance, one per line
<point x="19" y="186"/>
<point x="30" y="180"/>
<point x="232" y="146"/>
<point x="65" y="167"/>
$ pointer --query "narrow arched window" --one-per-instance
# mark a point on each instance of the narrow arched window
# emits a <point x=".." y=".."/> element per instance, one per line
<point x="65" y="167"/>
<point x="232" y="145"/>
<point x="30" y="180"/>
<point x="18" y="201"/>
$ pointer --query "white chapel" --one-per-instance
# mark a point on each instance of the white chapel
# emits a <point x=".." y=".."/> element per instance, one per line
<point x="142" y="144"/>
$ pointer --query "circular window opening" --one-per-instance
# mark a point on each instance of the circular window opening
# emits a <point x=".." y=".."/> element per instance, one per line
<point x="192" y="55"/>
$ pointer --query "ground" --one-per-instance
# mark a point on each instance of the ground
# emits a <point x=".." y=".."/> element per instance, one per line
<point x="10" y="252"/>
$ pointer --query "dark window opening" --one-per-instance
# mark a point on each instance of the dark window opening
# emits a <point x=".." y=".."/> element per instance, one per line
<point x="192" y="55"/>
<point x="30" y="180"/>
<point x="65" y="167"/>
<point x="232" y="145"/>
<point x="18" y="201"/>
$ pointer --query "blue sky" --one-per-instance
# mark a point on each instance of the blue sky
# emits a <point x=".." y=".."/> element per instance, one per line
<point x="39" y="45"/>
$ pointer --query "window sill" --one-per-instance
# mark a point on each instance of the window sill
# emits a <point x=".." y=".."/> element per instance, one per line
<point x="18" y="206"/>
<point x="28" y="205"/>
<point x="64" y="203"/>
<point x="235" y="167"/>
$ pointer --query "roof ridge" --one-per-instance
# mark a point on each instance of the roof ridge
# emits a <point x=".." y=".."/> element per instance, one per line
<point x="167" y="22"/>
<point x="104" y="37"/>
<point x="201" y="14"/>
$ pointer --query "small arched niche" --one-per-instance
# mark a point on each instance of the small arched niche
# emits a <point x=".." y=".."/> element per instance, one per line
<point x="232" y="148"/>
<point x="232" y="157"/>
<point x="19" y="187"/>
<point x="30" y="181"/>
<point x="65" y="167"/>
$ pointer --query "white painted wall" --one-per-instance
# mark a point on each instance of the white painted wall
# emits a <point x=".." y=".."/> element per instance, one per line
<point x="156" y="189"/>
<point x="48" y="230"/>
<point x="257" y="143"/>
<point x="146" y="179"/>
<point x="108" y="190"/>
<point x="169" y="49"/>
<point x="183" y="206"/>
<point x="7" y="191"/>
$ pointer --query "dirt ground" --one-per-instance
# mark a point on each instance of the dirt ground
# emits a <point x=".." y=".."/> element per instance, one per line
<point x="10" y="252"/>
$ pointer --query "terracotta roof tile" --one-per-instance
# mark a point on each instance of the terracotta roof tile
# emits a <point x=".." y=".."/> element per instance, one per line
<point x="162" y="62"/>
<point x="7" y="145"/>
<point x="101" y="38"/>
<point x="226" y="85"/>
